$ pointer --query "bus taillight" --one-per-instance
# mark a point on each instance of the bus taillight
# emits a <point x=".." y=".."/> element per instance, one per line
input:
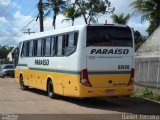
<point x="84" y="78"/>
<point x="131" y="77"/>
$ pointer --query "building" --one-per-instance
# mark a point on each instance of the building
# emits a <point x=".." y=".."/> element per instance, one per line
<point x="147" y="65"/>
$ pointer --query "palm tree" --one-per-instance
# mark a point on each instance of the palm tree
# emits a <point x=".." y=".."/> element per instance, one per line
<point x="57" y="6"/>
<point x="150" y="10"/>
<point x="92" y="9"/>
<point x="151" y="27"/>
<point x="120" y="19"/>
<point x="139" y="39"/>
<point x="72" y="13"/>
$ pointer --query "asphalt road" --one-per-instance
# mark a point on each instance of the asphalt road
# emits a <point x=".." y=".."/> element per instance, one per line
<point x="15" y="101"/>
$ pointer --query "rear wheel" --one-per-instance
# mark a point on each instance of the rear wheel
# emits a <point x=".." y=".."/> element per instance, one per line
<point x="50" y="90"/>
<point x="12" y="76"/>
<point x="22" y="86"/>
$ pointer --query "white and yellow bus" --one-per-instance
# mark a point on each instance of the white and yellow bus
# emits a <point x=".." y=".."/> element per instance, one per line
<point x="79" y="61"/>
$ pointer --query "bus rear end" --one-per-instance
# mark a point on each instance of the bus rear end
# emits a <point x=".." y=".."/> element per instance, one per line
<point x="109" y="62"/>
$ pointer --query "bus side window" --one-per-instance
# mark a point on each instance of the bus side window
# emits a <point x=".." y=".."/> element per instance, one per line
<point x="48" y="46"/>
<point x="23" y="54"/>
<point x="39" y="48"/>
<point x="66" y="40"/>
<point x="60" y="43"/>
<point x="31" y="48"/>
<point x="27" y="48"/>
<point x="71" y="43"/>
<point x="53" y="46"/>
<point x="43" y="46"/>
<point x="75" y="38"/>
<point x="35" y="48"/>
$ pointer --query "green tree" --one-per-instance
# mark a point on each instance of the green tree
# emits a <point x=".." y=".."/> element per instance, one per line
<point x="120" y="19"/>
<point x="71" y="13"/>
<point x="4" y="51"/>
<point x="139" y="39"/>
<point x="91" y="9"/>
<point x="57" y="6"/>
<point x="152" y="27"/>
<point x="150" y="10"/>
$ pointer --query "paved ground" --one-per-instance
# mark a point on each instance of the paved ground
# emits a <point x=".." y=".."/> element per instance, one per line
<point x="14" y="100"/>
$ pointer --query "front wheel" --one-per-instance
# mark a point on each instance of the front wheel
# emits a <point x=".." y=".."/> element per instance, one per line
<point x="2" y="76"/>
<point x="50" y="90"/>
<point x="22" y="86"/>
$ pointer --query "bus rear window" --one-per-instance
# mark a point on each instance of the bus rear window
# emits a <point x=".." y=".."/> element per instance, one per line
<point x="109" y="36"/>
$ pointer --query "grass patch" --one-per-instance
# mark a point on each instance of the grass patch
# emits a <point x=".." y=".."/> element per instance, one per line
<point x="147" y="93"/>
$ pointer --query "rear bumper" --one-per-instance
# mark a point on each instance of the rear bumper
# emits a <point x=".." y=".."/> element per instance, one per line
<point x="103" y="92"/>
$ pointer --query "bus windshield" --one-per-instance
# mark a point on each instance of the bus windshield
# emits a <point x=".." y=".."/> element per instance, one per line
<point x="109" y="36"/>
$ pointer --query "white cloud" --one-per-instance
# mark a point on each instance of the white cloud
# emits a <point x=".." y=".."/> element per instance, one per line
<point x="59" y="23"/>
<point x="3" y="20"/>
<point x="8" y="22"/>
<point x="5" y="2"/>
<point x="18" y="21"/>
<point x="141" y="27"/>
<point x="122" y="6"/>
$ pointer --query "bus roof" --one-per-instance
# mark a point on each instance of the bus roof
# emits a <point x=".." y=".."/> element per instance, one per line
<point x="51" y="32"/>
<point x="63" y="30"/>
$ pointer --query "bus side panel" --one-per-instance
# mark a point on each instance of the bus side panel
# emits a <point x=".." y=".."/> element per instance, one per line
<point x="45" y="77"/>
<point x="24" y="72"/>
<point x="58" y="83"/>
<point x="71" y="85"/>
<point x="17" y="73"/>
<point x="35" y="82"/>
<point x="39" y="80"/>
<point x="31" y="77"/>
<point x="20" y="70"/>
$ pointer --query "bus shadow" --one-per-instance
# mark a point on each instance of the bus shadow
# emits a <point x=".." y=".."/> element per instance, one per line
<point x="37" y="91"/>
<point x="132" y="105"/>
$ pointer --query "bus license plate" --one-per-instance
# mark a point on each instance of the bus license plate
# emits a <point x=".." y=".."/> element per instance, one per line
<point x="109" y="91"/>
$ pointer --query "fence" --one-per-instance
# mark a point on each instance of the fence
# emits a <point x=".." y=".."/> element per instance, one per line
<point x="147" y="72"/>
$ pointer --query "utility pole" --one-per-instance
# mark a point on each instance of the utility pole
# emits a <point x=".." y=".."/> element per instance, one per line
<point x="28" y="31"/>
<point x="40" y="9"/>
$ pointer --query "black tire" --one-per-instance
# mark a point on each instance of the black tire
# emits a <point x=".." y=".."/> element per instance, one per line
<point x="12" y="76"/>
<point x="127" y="96"/>
<point x="50" y="90"/>
<point x="22" y="86"/>
<point x="2" y="76"/>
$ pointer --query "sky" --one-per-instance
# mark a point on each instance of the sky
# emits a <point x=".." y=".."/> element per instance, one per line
<point x="16" y="16"/>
